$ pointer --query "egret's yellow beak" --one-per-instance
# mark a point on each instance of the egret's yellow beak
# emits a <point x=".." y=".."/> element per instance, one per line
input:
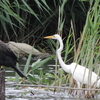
<point x="49" y="37"/>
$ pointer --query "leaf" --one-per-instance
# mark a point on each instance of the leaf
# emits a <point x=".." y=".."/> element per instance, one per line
<point x="50" y="75"/>
<point x="35" y="63"/>
<point x="28" y="62"/>
<point x="39" y="63"/>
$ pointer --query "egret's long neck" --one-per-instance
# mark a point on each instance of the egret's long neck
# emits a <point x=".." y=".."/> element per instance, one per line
<point x="63" y="65"/>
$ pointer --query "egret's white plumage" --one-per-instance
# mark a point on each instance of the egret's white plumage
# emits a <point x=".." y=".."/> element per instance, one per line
<point x="79" y="73"/>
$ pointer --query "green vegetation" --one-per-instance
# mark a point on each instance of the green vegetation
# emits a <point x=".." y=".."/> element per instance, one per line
<point x="77" y="21"/>
<point x="29" y="20"/>
<point x="84" y="50"/>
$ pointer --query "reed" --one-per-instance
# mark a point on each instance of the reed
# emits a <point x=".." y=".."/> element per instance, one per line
<point x="83" y="49"/>
<point x="87" y="53"/>
<point x="36" y="76"/>
<point x="86" y="50"/>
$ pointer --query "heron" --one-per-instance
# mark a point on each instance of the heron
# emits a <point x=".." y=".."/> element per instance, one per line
<point x="79" y="73"/>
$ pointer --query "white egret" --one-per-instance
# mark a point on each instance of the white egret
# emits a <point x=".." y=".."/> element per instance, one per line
<point x="79" y="72"/>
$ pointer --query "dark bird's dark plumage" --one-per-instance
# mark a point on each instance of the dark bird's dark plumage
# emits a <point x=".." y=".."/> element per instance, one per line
<point x="8" y="58"/>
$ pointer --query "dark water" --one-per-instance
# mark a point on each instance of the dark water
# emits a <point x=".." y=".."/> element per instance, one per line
<point x="36" y="93"/>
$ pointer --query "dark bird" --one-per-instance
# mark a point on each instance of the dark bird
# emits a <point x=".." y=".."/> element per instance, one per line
<point x="8" y="58"/>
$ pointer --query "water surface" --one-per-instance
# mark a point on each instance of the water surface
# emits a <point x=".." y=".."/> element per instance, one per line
<point x="36" y="93"/>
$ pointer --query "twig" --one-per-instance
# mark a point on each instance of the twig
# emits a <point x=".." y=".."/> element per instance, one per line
<point x="31" y="85"/>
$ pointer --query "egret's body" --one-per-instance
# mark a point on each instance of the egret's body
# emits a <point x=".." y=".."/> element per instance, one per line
<point x="79" y="73"/>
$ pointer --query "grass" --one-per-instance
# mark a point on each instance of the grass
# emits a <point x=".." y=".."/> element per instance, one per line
<point x="27" y="21"/>
<point x="86" y="46"/>
<point x="84" y="49"/>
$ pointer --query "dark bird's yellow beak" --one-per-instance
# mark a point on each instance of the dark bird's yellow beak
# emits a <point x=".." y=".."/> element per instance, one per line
<point x="49" y="37"/>
<point x="2" y="67"/>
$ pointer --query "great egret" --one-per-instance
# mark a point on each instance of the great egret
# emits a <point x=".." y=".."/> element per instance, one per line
<point x="79" y="73"/>
<point x="8" y="58"/>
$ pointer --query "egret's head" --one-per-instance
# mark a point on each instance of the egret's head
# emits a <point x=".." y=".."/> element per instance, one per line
<point x="56" y="36"/>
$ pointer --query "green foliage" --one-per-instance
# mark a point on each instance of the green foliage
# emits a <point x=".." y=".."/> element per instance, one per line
<point x="41" y="77"/>
<point x="88" y="51"/>
<point x="26" y="68"/>
<point x="17" y="76"/>
<point x="29" y="23"/>
<point x="52" y="45"/>
<point x="29" y="20"/>
<point x="68" y="48"/>
<point x="87" y="47"/>
<point x="58" y="79"/>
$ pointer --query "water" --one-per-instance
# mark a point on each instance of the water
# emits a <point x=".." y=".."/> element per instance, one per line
<point x="29" y="93"/>
<point x="36" y="93"/>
